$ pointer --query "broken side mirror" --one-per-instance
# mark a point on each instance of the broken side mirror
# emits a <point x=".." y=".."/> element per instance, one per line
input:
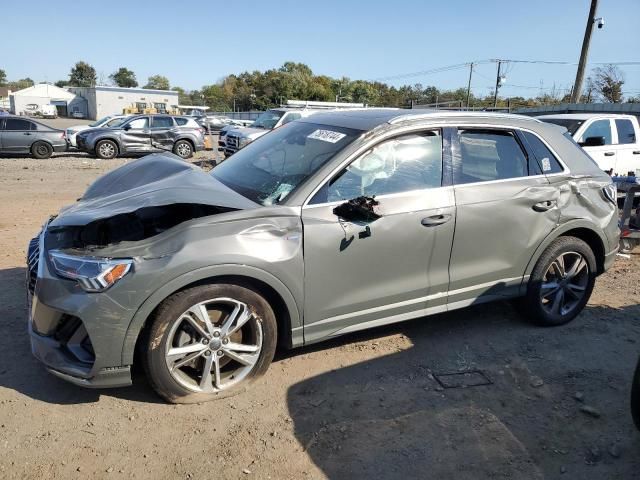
<point x="593" y="142"/>
<point x="358" y="210"/>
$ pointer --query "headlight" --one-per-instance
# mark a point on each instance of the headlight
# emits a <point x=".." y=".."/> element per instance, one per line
<point x="243" y="141"/>
<point x="93" y="274"/>
<point x="610" y="192"/>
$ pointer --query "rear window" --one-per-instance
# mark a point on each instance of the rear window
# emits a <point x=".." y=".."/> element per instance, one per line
<point x="547" y="162"/>
<point x="626" y="133"/>
<point x="571" y="124"/>
<point x="161" y="122"/>
<point x="18" y="124"/>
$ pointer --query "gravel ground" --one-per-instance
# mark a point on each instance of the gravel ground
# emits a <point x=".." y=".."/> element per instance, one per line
<point x="362" y="406"/>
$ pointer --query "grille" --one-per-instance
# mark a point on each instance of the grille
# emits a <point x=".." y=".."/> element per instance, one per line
<point x="33" y="256"/>
<point x="232" y="143"/>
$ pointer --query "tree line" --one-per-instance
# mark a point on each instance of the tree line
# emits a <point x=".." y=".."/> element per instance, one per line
<point x="261" y="90"/>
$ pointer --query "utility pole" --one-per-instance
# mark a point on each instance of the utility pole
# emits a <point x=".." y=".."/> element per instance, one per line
<point x="469" y="84"/>
<point x="495" y="96"/>
<point x="577" y="86"/>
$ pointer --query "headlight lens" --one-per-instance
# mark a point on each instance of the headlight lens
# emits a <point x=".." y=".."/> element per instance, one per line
<point x="611" y="193"/>
<point x="243" y="141"/>
<point x="93" y="274"/>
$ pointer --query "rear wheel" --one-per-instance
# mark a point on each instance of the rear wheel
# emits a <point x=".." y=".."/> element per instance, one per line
<point x="209" y="342"/>
<point x="561" y="282"/>
<point x="106" y="149"/>
<point x="41" y="150"/>
<point x="183" y="149"/>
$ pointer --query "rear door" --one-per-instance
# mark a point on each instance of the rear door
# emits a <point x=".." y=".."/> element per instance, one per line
<point x="504" y="208"/>
<point x="18" y="135"/>
<point x="627" y="147"/>
<point x="605" y="155"/>
<point x="137" y="138"/>
<point x="162" y="132"/>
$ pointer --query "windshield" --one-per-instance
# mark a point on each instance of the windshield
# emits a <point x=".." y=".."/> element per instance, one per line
<point x="571" y="124"/>
<point x="116" y="122"/>
<point x="267" y="120"/>
<point x="270" y="168"/>
<point x="97" y="123"/>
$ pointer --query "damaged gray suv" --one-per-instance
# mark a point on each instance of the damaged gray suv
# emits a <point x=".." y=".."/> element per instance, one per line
<point x="328" y="225"/>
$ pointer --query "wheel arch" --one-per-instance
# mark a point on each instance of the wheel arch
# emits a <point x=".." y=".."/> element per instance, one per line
<point x="579" y="228"/>
<point x="276" y="293"/>
<point x="113" y="139"/>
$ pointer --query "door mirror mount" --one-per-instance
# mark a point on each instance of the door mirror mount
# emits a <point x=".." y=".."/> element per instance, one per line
<point x="127" y="127"/>
<point x="593" y="142"/>
<point x="358" y="210"/>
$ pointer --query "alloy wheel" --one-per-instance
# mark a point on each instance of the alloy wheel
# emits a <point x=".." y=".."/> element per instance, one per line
<point x="184" y="150"/>
<point x="107" y="150"/>
<point x="564" y="284"/>
<point x="214" y="345"/>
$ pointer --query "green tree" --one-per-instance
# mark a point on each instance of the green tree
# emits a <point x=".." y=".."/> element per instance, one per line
<point x="61" y="83"/>
<point x="82" y="75"/>
<point x="3" y="78"/>
<point x="124" y="78"/>
<point x="157" y="82"/>
<point x="20" y="84"/>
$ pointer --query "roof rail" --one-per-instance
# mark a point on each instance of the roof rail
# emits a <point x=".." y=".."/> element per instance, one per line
<point x="330" y="105"/>
<point x="438" y="113"/>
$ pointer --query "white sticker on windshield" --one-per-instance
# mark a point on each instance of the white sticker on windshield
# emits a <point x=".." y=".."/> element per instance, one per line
<point x="327" y="136"/>
<point x="546" y="164"/>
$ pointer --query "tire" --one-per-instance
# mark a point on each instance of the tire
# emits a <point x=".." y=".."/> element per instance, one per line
<point x="180" y="345"/>
<point x="106" y="149"/>
<point x="41" y="150"/>
<point x="553" y="299"/>
<point x="635" y="396"/>
<point x="183" y="149"/>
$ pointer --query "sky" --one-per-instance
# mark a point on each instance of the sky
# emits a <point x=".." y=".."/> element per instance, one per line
<point x="198" y="43"/>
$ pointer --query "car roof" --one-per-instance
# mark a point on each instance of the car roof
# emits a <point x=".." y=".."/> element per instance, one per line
<point x="580" y="116"/>
<point x="369" y="118"/>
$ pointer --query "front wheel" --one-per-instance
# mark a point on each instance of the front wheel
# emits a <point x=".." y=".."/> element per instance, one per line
<point x="106" y="149"/>
<point x="561" y="282"/>
<point x="183" y="149"/>
<point x="208" y="342"/>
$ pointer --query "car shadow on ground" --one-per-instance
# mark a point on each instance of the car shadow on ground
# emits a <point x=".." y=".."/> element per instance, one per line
<point x="21" y="372"/>
<point x="394" y="416"/>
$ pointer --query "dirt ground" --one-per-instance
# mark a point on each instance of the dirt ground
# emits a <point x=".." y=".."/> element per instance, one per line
<point x="556" y="402"/>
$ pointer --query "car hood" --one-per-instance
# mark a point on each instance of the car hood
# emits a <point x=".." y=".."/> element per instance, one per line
<point x="97" y="130"/>
<point x="248" y="132"/>
<point x="152" y="181"/>
<point x="79" y="128"/>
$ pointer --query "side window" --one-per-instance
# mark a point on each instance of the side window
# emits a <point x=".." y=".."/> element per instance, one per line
<point x="161" y="122"/>
<point x="626" y="133"/>
<point x="599" y="128"/>
<point x="291" y="117"/>
<point x="181" y="121"/>
<point x="402" y="164"/>
<point x="18" y="124"/>
<point x="545" y="159"/>
<point x="139" y="123"/>
<point x="489" y="155"/>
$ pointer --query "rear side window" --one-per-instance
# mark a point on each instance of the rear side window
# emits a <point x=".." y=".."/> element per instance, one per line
<point x="181" y="121"/>
<point x="626" y="133"/>
<point x="18" y="124"/>
<point x="546" y="161"/>
<point x="489" y="155"/>
<point x="161" y="122"/>
<point x="291" y="117"/>
<point x="599" y="128"/>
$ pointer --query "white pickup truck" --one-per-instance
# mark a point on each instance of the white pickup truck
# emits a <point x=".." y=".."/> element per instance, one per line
<point x="613" y="141"/>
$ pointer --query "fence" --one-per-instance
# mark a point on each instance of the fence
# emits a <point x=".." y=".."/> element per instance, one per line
<point x="251" y="115"/>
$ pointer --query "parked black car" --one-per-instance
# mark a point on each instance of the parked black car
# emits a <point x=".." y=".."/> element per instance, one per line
<point x="21" y="135"/>
<point x="144" y="134"/>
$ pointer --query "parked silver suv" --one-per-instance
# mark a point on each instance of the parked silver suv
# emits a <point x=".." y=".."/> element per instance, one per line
<point x="144" y="134"/>
<point x="334" y="223"/>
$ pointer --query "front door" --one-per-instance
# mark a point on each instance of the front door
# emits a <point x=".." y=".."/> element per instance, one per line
<point x="136" y="136"/>
<point x="605" y="155"/>
<point x="161" y="132"/>
<point x="505" y="208"/>
<point x="18" y="135"/>
<point x="360" y="274"/>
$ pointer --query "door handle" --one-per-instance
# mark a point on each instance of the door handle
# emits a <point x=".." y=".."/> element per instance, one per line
<point x="435" y="220"/>
<point x="544" y="206"/>
<point x="27" y="133"/>
<point x="609" y="154"/>
<point x="636" y="152"/>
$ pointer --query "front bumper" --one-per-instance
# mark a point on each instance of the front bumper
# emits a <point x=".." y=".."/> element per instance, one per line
<point x="65" y="323"/>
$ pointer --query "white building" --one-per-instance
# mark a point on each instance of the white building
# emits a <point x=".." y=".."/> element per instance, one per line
<point x="31" y="99"/>
<point x="102" y="101"/>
